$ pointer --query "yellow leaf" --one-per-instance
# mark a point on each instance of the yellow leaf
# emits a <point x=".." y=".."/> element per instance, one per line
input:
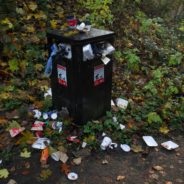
<point x="39" y="67"/>
<point x="33" y="6"/>
<point x="164" y="129"/>
<point x="4" y="173"/>
<point x="25" y="154"/>
<point x="30" y="28"/>
<point x="40" y="15"/>
<point x="7" y="21"/>
<point x="20" y="11"/>
<point x="53" y="24"/>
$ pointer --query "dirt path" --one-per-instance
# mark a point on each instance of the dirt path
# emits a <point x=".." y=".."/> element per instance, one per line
<point x="136" y="167"/>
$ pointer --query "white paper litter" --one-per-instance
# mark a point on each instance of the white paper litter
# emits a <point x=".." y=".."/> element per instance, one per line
<point x="121" y="103"/>
<point x="150" y="141"/>
<point x="105" y="60"/>
<point x="48" y="93"/>
<point x="72" y="176"/>
<point x="39" y="143"/>
<point x="112" y="103"/>
<point x="125" y="147"/>
<point x="169" y="145"/>
<point x="121" y="126"/>
<point x="84" y="144"/>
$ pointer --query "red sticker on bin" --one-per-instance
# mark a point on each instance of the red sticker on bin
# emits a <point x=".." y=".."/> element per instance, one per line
<point x="98" y="75"/>
<point x="62" y="79"/>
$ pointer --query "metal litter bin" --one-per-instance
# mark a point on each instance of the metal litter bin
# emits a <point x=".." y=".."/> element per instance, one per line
<point x="83" y="86"/>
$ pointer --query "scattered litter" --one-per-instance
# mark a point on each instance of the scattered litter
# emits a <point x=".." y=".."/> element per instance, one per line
<point x="63" y="157"/>
<point x="150" y="141"/>
<point x="106" y="142"/>
<point x="77" y="161"/>
<point x="48" y="93"/>
<point x="38" y="126"/>
<point x="105" y="162"/>
<point x="45" y="116"/>
<point x="11" y="181"/>
<point x="104" y="134"/>
<point x="73" y="139"/>
<point x="121" y="126"/>
<point x="16" y="131"/>
<point x="25" y="153"/>
<point x="54" y="116"/>
<point x="114" y="118"/>
<point x="158" y="168"/>
<point x="112" y="103"/>
<point x="57" y="126"/>
<point x="125" y="147"/>
<point x="81" y="26"/>
<point x="84" y="144"/>
<point x="44" y="156"/>
<point x="72" y="176"/>
<point x="87" y="52"/>
<point x="113" y="145"/>
<point x="37" y="114"/>
<point x="169" y="145"/>
<point x="105" y="60"/>
<point x="109" y="49"/>
<point x="121" y="103"/>
<point x="56" y="155"/>
<point x="119" y="178"/>
<point x="40" y="143"/>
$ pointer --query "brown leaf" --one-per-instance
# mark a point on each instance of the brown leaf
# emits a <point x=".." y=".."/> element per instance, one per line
<point x="119" y="178"/>
<point x="77" y="161"/>
<point x="158" y="168"/>
<point x="137" y="148"/>
<point x="65" y="168"/>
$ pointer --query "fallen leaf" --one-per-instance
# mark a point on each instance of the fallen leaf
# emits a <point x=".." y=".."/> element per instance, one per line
<point x="27" y="138"/>
<point x="164" y="129"/>
<point x="65" y="168"/>
<point x="119" y="178"/>
<point x="33" y="6"/>
<point x="25" y="153"/>
<point x="158" y="168"/>
<point x="45" y="174"/>
<point x="105" y="162"/>
<point x="77" y="161"/>
<point x="12" y="182"/>
<point x="137" y="148"/>
<point x="4" y="173"/>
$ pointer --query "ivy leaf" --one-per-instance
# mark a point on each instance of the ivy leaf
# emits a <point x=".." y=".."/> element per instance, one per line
<point x="13" y="124"/>
<point x="25" y="153"/>
<point x="45" y="174"/>
<point x="13" y="65"/>
<point x="27" y="138"/>
<point x="153" y="117"/>
<point x="4" y="173"/>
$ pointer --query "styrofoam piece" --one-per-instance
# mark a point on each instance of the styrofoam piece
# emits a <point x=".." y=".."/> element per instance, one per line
<point x="169" y="145"/>
<point x="150" y="141"/>
<point x="40" y="143"/>
<point x="121" y="103"/>
<point x="37" y="114"/>
<point x="125" y="147"/>
<point x="72" y="176"/>
<point x="84" y="144"/>
<point x="121" y="126"/>
<point x="112" y="103"/>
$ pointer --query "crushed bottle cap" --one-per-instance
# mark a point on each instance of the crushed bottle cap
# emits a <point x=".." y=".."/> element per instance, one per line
<point x="37" y="114"/>
<point x="125" y="147"/>
<point x="72" y="176"/>
<point x="54" y="116"/>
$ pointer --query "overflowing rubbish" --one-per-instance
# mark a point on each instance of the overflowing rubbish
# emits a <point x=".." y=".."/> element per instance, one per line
<point x="106" y="142"/>
<point x="125" y="147"/>
<point x="65" y="50"/>
<point x="48" y="93"/>
<point x="150" y="141"/>
<point x="88" y="52"/>
<point x="121" y="103"/>
<point x="37" y="114"/>
<point x="41" y="143"/>
<point x="57" y="126"/>
<point x="44" y="156"/>
<point x="169" y="145"/>
<point x="72" y="176"/>
<point x="63" y="157"/>
<point x="54" y="115"/>
<point x="72" y="21"/>
<point x="84" y="26"/>
<point x="45" y="116"/>
<point x="38" y="126"/>
<point x="15" y="131"/>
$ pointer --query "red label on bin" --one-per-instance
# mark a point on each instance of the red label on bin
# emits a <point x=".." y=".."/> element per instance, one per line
<point x="62" y="79"/>
<point x="98" y="75"/>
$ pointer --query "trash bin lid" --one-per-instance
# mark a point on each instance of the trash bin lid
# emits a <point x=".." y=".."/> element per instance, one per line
<point x="81" y="38"/>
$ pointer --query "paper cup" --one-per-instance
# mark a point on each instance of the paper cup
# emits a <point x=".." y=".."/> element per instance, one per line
<point x="56" y="155"/>
<point x="107" y="141"/>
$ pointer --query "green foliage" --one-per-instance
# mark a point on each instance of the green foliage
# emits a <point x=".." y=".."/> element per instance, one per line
<point x="153" y="117"/>
<point x="10" y="104"/>
<point x="150" y="86"/>
<point x="13" y="65"/>
<point x="99" y="11"/>
<point x="132" y="59"/>
<point x="175" y="59"/>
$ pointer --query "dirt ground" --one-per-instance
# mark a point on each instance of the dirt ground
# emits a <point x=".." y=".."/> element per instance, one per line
<point x="137" y="168"/>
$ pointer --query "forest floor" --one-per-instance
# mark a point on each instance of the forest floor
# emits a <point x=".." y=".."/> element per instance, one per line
<point x="152" y="166"/>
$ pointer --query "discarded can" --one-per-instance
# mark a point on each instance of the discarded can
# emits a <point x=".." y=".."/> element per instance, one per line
<point x="106" y="142"/>
<point x="45" y="155"/>
<point x="72" y="21"/>
<point x="72" y="176"/>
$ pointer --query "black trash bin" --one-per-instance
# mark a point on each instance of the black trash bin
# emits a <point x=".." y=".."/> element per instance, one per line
<point x="83" y="87"/>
